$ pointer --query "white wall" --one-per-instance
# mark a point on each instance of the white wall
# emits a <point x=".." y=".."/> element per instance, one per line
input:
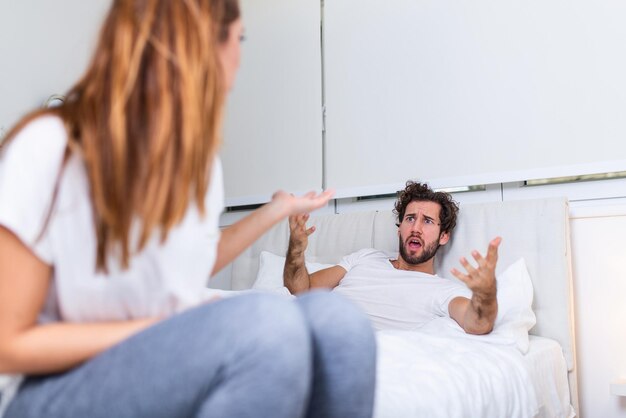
<point x="599" y="264"/>
<point x="432" y="77"/>
<point x="278" y="93"/>
<point x="44" y="48"/>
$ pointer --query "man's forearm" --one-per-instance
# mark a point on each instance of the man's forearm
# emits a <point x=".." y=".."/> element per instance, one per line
<point x="295" y="276"/>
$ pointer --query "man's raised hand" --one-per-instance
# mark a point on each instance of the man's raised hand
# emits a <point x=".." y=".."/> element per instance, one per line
<point x="298" y="233"/>
<point x="481" y="279"/>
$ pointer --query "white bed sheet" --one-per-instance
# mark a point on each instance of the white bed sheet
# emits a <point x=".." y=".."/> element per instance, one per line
<point x="425" y="375"/>
<point x="548" y="371"/>
<point x="439" y="371"/>
<point x="435" y="372"/>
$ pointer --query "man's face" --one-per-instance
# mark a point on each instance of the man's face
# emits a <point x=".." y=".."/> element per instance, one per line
<point x="420" y="232"/>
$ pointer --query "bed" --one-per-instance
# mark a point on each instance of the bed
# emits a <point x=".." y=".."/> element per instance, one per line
<point x="439" y="370"/>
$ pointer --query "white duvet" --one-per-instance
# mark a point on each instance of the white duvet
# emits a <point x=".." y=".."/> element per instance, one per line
<point x="438" y="372"/>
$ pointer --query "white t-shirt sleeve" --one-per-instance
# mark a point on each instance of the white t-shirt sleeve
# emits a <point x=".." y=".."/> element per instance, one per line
<point x="29" y="171"/>
<point x="351" y="260"/>
<point x="214" y="205"/>
<point x="448" y="292"/>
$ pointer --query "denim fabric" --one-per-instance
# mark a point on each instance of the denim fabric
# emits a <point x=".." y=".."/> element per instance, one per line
<point x="257" y="355"/>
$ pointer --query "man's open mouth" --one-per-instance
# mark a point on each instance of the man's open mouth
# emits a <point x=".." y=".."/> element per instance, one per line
<point x="414" y="243"/>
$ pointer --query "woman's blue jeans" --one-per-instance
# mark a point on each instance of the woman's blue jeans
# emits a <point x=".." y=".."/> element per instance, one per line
<point x="258" y="355"/>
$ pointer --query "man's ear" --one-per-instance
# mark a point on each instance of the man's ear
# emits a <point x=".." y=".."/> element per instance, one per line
<point x="444" y="238"/>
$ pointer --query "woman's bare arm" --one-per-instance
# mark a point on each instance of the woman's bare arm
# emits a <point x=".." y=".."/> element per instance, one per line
<point x="26" y="346"/>
<point x="239" y="236"/>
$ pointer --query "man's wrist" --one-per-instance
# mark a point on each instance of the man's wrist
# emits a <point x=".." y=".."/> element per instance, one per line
<point x="295" y="250"/>
<point x="485" y="297"/>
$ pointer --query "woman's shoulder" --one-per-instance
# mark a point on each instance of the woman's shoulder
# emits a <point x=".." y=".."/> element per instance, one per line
<point x="30" y="164"/>
<point x="34" y="156"/>
<point x="40" y="137"/>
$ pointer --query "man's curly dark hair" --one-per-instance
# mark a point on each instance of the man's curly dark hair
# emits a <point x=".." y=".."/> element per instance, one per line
<point x="420" y="192"/>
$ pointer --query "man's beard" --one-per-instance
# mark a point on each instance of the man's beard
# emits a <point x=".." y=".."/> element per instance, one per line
<point x="428" y="252"/>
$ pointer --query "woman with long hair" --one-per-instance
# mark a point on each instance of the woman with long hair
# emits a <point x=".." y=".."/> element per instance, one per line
<point x="109" y="208"/>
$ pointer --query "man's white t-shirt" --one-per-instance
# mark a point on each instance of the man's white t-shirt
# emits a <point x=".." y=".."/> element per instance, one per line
<point x="163" y="279"/>
<point x="392" y="298"/>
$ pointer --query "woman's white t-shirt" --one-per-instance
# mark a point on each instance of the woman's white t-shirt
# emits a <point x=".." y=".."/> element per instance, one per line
<point x="163" y="279"/>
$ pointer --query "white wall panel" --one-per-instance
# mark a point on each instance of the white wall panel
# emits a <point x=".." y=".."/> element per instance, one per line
<point x="44" y="48"/>
<point x="273" y="134"/>
<point x="460" y="93"/>
<point x="599" y="292"/>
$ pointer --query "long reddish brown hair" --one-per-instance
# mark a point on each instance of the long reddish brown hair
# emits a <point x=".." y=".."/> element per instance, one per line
<point x="146" y="117"/>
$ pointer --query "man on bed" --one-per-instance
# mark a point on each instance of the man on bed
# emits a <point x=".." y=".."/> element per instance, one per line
<point x="404" y="292"/>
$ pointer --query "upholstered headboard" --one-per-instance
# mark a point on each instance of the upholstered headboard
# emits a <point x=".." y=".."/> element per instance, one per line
<point x="537" y="230"/>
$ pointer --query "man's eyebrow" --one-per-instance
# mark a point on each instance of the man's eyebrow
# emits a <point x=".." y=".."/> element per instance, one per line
<point x="423" y="214"/>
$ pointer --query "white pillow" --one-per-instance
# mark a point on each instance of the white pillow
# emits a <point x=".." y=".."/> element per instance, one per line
<point x="515" y="299"/>
<point x="270" y="275"/>
<point x="515" y="315"/>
